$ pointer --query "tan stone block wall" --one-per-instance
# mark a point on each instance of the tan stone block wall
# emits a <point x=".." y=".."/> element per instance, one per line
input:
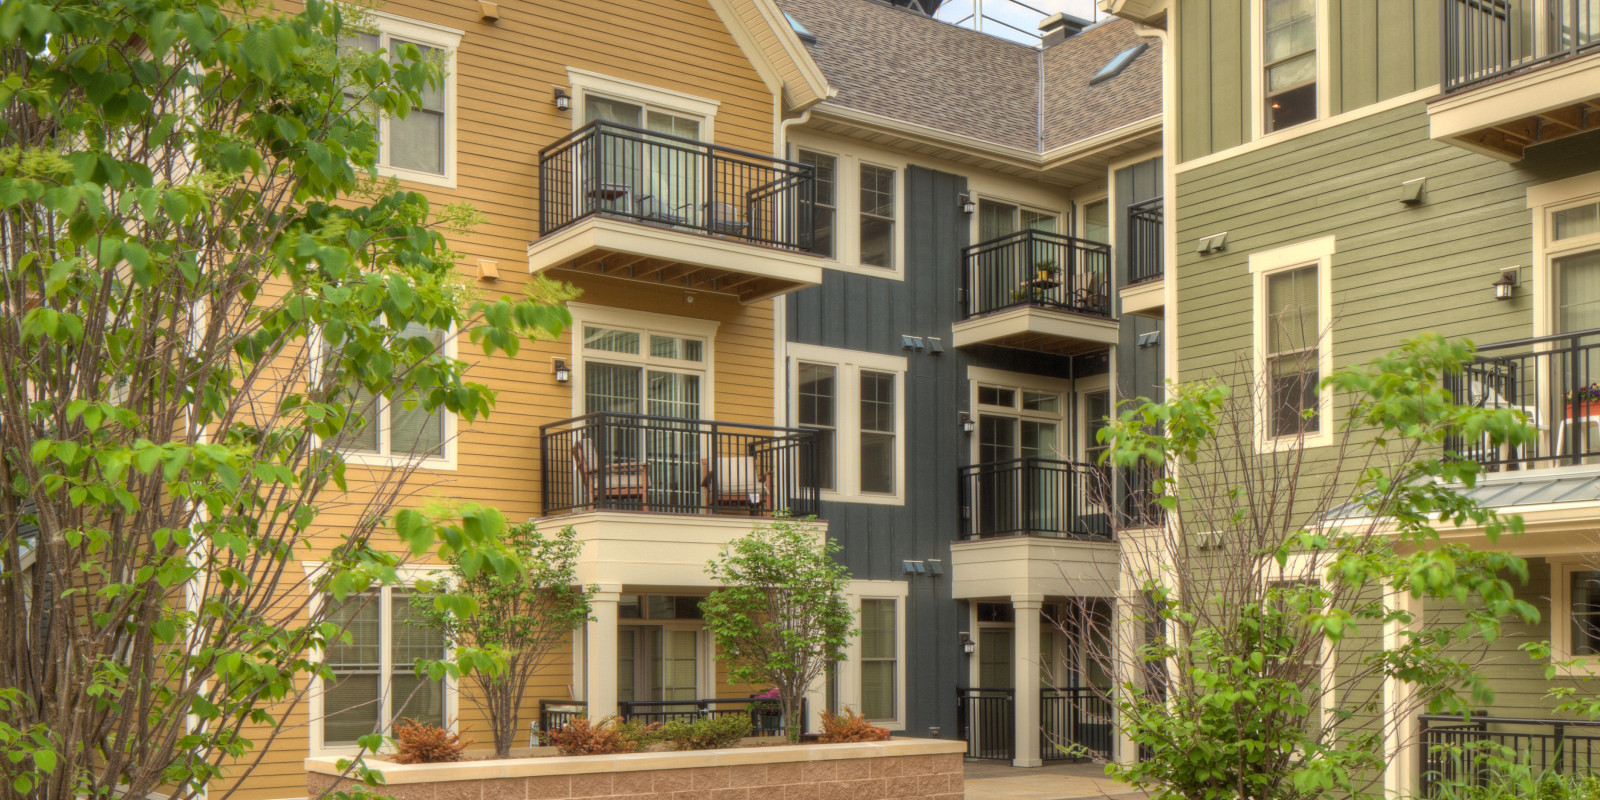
<point x="937" y="777"/>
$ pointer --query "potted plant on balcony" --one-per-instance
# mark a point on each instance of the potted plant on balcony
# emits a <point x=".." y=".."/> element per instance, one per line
<point x="1584" y="401"/>
<point x="1046" y="269"/>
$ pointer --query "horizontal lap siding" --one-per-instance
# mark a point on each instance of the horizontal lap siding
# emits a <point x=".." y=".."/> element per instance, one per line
<point x="505" y="74"/>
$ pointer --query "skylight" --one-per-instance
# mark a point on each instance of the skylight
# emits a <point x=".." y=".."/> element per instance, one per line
<point x="1118" y="63"/>
<point x="800" y="30"/>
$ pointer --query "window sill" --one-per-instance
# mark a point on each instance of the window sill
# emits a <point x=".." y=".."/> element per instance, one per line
<point x="415" y="176"/>
<point x="865" y="499"/>
<point x="1286" y="444"/>
<point x="447" y="463"/>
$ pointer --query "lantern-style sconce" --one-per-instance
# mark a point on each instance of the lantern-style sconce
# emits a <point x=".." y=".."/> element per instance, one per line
<point x="563" y="100"/>
<point x="562" y="372"/>
<point x="1506" y="286"/>
<point x="967" y="206"/>
<point x="967" y="423"/>
<point x="967" y="645"/>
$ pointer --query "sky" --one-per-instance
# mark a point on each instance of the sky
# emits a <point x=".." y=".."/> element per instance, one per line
<point x="1024" y="14"/>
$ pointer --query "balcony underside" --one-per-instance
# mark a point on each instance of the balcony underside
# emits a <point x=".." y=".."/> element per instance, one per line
<point x="1038" y="329"/>
<point x="1032" y="565"/>
<point x="661" y="254"/>
<point x="1504" y="117"/>
<point x="642" y="549"/>
<point x="1147" y="299"/>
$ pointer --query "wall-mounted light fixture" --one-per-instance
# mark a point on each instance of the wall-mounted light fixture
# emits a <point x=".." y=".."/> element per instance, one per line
<point x="967" y="205"/>
<point x="967" y="645"/>
<point x="562" y="372"/>
<point x="967" y="423"/>
<point x="1506" y="286"/>
<point x="563" y="100"/>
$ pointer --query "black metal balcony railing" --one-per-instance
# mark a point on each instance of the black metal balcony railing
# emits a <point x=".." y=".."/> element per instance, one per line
<point x="1551" y="380"/>
<point x="1461" y="753"/>
<point x="1037" y="268"/>
<point x="1144" y="241"/>
<point x="766" y="716"/>
<point x="987" y="720"/>
<point x="1074" y="722"/>
<point x="1141" y="507"/>
<point x="1485" y="39"/>
<point x="621" y="171"/>
<point x="668" y="465"/>
<point x="1034" y="497"/>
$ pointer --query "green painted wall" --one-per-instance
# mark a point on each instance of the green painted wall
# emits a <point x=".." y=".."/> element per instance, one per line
<point x="1214" y="75"/>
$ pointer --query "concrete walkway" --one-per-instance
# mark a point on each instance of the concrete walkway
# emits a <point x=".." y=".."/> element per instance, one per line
<point x="987" y="780"/>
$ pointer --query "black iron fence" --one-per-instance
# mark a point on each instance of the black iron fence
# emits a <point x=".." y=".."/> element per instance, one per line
<point x="1485" y="39"/>
<point x="623" y="171"/>
<point x="1145" y="241"/>
<point x="1037" y="268"/>
<point x="670" y="465"/>
<point x="1552" y="380"/>
<point x="1075" y="722"/>
<point x="1034" y="497"/>
<point x="766" y="715"/>
<point x="987" y="720"/>
<point x="1460" y="753"/>
<point x="1141" y="507"/>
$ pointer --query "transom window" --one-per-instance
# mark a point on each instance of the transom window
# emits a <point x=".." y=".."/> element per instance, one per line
<point x="1289" y="58"/>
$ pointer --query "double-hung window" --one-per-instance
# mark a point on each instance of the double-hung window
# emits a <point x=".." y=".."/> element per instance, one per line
<point x="877" y="216"/>
<point x="1292" y="343"/>
<point x="399" y="428"/>
<point x="824" y="205"/>
<point x="880" y="651"/>
<point x="374" y="676"/>
<point x="1289" y="62"/>
<point x="421" y="146"/>
<point x="854" y="402"/>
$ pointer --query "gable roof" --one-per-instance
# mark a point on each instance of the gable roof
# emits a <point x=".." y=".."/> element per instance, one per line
<point x="775" y="50"/>
<point x="889" y="62"/>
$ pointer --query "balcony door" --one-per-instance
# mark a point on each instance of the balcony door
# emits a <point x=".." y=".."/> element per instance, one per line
<point x="656" y="663"/>
<point x="658" y="376"/>
<point x="1009" y="273"/>
<point x="1019" y="496"/>
<point x="649" y="176"/>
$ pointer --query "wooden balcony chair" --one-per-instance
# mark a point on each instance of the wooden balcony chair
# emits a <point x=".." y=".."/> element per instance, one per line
<point x="1091" y="292"/>
<point x="627" y="481"/>
<point x="735" y="482"/>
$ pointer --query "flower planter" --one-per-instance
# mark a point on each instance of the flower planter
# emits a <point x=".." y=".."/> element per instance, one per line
<point x="919" y="768"/>
<point x="1578" y="409"/>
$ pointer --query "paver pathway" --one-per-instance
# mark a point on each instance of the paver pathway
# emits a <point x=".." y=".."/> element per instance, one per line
<point x="991" y="781"/>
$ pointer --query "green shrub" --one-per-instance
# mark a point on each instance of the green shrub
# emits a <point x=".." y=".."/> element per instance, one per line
<point x="706" y="733"/>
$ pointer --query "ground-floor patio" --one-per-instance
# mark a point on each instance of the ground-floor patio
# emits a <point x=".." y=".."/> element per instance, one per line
<point x="989" y="780"/>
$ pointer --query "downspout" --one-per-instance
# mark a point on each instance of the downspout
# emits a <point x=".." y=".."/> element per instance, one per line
<point x="780" y="304"/>
<point x="1039" y="116"/>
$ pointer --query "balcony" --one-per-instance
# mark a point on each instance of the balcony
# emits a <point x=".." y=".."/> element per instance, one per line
<point x="1517" y="73"/>
<point x="1034" y="526"/>
<point x="1036" y="290"/>
<point x="1548" y="380"/>
<point x="1460" y="753"/>
<point x="623" y="202"/>
<point x="654" y="498"/>
<point x="1145" y="294"/>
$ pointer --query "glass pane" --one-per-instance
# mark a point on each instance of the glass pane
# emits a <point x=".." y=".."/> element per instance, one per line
<point x="628" y="607"/>
<point x="997" y="438"/>
<point x="677" y="348"/>
<point x="1097" y="222"/>
<point x="674" y="394"/>
<point x="1585" y="613"/>
<point x="1293" y="390"/>
<point x="877" y="401"/>
<point x="816" y="401"/>
<point x="994" y="396"/>
<point x="1292" y="319"/>
<point x="1573" y="222"/>
<point x="349" y="708"/>
<point x="611" y="387"/>
<point x="626" y="642"/>
<point x="822" y="224"/>
<point x="610" y="341"/>
<point x="994" y="658"/>
<point x="877" y="242"/>
<point x="1039" y="441"/>
<point x="1041" y="401"/>
<point x="1290" y="26"/>
<point x="877" y="432"/>
<point x="877" y="462"/>
<point x="672" y="665"/>
<point x="877" y="690"/>
<point x="1038" y="221"/>
<point x="1578" y="298"/>
<point x="364" y="424"/>
<point x="416" y="431"/>
<point x="825" y="166"/>
<point x="683" y="127"/>
<point x="607" y="110"/>
<point x="416" y="142"/>
<point x="877" y="216"/>
<point x="877" y="629"/>
<point x="687" y="608"/>
<point x="1295" y="71"/>
<point x="359" y="616"/>
<point x="1292" y="107"/>
<point x="661" y="607"/>
<point x="995" y="220"/>
<point x="411" y="639"/>
<point x="877" y="191"/>
<point x="417" y="698"/>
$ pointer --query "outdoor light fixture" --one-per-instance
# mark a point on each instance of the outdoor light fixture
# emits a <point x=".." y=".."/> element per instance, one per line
<point x="967" y="424"/>
<point x="563" y="100"/>
<point x="1506" y="286"/>
<point x="967" y="645"/>
<point x="967" y="206"/>
<point x="562" y="371"/>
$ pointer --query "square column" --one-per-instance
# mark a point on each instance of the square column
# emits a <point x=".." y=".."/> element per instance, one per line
<point x="1025" y="667"/>
<point x="600" y="658"/>
<point x="1401" y="743"/>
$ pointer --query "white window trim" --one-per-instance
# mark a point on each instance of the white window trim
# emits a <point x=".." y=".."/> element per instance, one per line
<point x="584" y="83"/>
<point x="1318" y="253"/>
<point x="449" y="40"/>
<point x="847" y="417"/>
<point x="897" y="237"/>
<point x="1083" y="387"/>
<point x="1258" y="70"/>
<point x="847" y="210"/>
<point x="849" y="675"/>
<point x="1561" y="570"/>
<point x="408" y="575"/>
<point x="838" y="199"/>
<point x="448" y="461"/>
<point x="1080" y="214"/>
<point x="644" y="323"/>
<point x="1544" y="200"/>
<point x="975" y="223"/>
<point x="1020" y="381"/>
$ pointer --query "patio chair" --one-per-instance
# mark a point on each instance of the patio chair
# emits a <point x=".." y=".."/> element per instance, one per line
<point x="627" y="481"/>
<point x="735" y="482"/>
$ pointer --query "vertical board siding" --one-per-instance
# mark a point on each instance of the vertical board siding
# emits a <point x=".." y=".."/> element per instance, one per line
<point x="1140" y="372"/>
<point x="1214" y="90"/>
<point x="505" y="73"/>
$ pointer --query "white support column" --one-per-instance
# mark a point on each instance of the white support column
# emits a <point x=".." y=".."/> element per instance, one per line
<point x="1400" y="727"/>
<point x="1126" y="637"/>
<point x="1025" y="665"/>
<point x="600" y="662"/>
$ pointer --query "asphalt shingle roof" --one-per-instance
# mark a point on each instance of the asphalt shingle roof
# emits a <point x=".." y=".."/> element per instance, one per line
<point x="902" y="65"/>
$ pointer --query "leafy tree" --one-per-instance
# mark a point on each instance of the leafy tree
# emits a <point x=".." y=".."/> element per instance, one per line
<point x="526" y="618"/>
<point x="780" y="617"/>
<point x="1266" y="590"/>
<point x="204" y="287"/>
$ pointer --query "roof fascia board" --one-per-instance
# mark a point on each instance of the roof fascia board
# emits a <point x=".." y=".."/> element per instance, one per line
<point x="808" y="85"/>
<point x="1072" y="151"/>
